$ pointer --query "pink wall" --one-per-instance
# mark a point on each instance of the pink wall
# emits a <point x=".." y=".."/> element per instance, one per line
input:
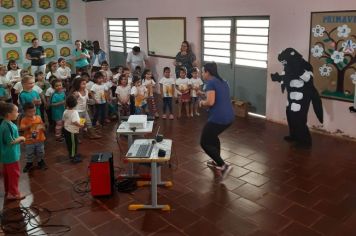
<point x="78" y="20"/>
<point x="289" y="27"/>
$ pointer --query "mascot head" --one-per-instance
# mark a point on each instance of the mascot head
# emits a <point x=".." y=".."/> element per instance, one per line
<point x="290" y="56"/>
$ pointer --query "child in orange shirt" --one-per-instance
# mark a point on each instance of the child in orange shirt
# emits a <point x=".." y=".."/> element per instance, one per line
<point x="33" y="128"/>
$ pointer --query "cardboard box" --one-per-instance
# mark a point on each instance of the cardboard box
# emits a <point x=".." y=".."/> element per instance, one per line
<point x="240" y="108"/>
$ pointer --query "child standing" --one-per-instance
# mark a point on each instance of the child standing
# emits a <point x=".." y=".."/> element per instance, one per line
<point x="13" y="75"/>
<point x="52" y="70"/>
<point x="71" y="128"/>
<point x="100" y="95"/>
<point x="10" y="151"/>
<point x="13" y="72"/>
<point x="139" y="92"/>
<point x="5" y="85"/>
<point x="118" y="74"/>
<point x="183" y="91"/>
<point x="80" y="92"/>
<point x="57" y="102"/>
<point x="167" y="87"/>
<point x="33" y="128"/>
<point x="195" y="91"/>
<point x="28" y="94"/>
<point x="64" y="73"/>
<point x="149" y="83"/>
<point x="44" y="85"/>
<point x="123" y="97"/>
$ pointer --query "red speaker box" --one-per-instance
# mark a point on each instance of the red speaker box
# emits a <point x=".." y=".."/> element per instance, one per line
<point x="102" y="174"/>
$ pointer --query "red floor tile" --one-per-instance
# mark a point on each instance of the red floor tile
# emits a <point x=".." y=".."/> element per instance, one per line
<point x="255" y="179"/>
<point x="301" y="214"/>
<point x="274" y="189"/>
<point x="297" y="230"/>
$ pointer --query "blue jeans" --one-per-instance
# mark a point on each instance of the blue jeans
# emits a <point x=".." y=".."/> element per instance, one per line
<point x="100" y="112"/>
<point x="167" y="104"/>
<point x="34" y="150"/>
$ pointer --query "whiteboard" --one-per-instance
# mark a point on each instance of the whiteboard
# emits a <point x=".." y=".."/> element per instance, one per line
<point x="164" y="36"/>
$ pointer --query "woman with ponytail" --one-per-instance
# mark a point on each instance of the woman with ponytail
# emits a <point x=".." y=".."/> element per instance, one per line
<point x="221" y="116"/>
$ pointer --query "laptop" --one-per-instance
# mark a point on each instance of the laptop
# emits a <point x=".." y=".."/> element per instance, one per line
<point x="142" y="150"/>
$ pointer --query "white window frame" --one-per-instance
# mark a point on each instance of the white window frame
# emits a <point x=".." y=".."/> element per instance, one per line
<point x="255" y="52"/>
<point x="124" y="39"/>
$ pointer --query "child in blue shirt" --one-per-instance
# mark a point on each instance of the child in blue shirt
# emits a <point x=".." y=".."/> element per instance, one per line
<point x="57" y="102"/>
<point x="29" y="95"/>
<point x="3" y="94"/>
<point x="10" y="150"/>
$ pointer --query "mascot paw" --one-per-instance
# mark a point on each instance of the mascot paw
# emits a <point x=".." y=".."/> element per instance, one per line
<point x="303" y="145"/>
<point x="289" y="138"/>
<point x="352" y="109"/>
<point x="276" y="77"/>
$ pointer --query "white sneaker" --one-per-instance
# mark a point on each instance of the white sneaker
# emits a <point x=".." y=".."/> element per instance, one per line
<point x="222" y="172"/>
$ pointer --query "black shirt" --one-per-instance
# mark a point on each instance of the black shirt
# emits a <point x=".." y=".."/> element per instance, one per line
<point x="36" y="52"/>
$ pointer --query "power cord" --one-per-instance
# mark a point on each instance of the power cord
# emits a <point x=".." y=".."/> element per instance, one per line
<point x="24" y="220"/>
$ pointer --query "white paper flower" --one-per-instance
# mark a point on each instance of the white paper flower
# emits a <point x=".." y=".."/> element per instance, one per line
<point x="343" y="31"/>
<point x="337" y="56"/>
<point x="317" y="51"/>
<point x="348" y="46"/>
<point x="318" y="31"/>
<point x="325" y="70"/>
<point x="353" y="77"/>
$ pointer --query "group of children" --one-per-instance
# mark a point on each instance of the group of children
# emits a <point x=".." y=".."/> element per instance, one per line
<point x="71" y="103"/>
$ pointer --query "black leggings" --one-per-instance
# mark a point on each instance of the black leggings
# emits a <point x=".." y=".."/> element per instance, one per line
<point x="210" y="142"/>
<point x="72" y="143"/>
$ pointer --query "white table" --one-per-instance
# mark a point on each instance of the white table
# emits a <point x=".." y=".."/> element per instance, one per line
<point x="124" y="129"/>
<point x="166" y="145"/>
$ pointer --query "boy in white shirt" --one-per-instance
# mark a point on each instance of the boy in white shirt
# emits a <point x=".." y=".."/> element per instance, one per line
<point x="72" y="125"/>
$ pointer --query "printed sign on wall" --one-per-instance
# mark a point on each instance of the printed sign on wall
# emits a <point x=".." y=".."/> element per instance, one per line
<point x="23" y="20"/>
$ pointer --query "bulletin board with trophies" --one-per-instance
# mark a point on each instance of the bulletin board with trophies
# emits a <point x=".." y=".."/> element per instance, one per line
<point x="23" y="20"/>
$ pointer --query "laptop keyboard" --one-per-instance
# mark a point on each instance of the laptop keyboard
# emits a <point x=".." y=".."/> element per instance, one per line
<point x="143" y="150"/>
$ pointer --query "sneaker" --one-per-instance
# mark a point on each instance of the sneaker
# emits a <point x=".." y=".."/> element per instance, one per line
<point x="211" y="164"/>
<point x="60" y="139"/>
<point x="42" y="165"/>
<point x="222" y="171"/>
<point x="225" y="171"/>
<point x="289" y="138"/>
<point x="75" y="159"/>
<point x="197" y="113"/>
<point x="164" y="116"/>
<point x="27" y="167"/>
<point x="171" y="117"/>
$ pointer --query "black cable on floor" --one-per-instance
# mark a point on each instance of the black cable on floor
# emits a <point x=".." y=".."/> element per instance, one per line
<point x="24" y="220"/>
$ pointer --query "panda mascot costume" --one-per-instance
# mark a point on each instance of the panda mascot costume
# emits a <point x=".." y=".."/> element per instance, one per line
<point x="297" y="79"/>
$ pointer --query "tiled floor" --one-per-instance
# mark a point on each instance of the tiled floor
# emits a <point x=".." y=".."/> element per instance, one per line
<point x="274" y="189"/>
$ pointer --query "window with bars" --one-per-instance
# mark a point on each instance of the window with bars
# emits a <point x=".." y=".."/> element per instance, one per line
<point x="217" y="40"/>
<point x="252" y="42"/>
<point x="245" y="40"/>
<point x="123" y="34"/>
